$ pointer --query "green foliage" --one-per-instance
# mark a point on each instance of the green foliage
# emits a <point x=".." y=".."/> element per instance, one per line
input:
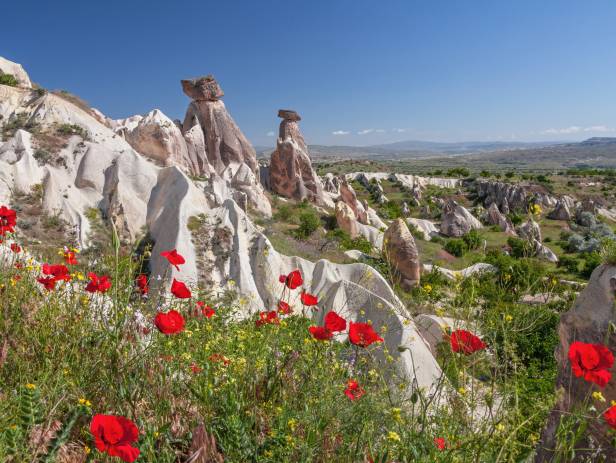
<point x="473" y="239"/>
<point x="608" y="252"/>
<point x="346" y="242"/>
<point x="570" y="264"/>
<point x="390" y="210"/>
<point x="17" y="122"/>
<point x="519" y="248"/>
<point x="72" y="129"/>
<point x="458" y="172"/>
<point x="8" y="79"/>
<point x="456" y="247"/>
<point x="309" y="222"/>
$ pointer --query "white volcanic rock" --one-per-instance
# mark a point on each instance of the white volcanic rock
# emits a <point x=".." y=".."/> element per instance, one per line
<point x="331" y="183"/>
<point x="17" y="71"/>
<point x="427" y="228"/>
<point x="464" y="273"/>
<point x="561" y="211"/>
<point x="495" y="217"/>
<point x="530" y="230"/>
<point x="346" y="221"/>
<point x="457" y="221"/>
<point x="348" y="196"/>
<point x="545" y="253"/>
<point x="514" y="195"/>
<point x="291" y="174"/>
<point x="409" y="181"/>
<point x="373" y="218"/>
<point x="157" y="137"/>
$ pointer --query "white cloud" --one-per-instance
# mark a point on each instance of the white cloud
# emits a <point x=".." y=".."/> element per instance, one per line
<point x="340" y="132"/>
<point x="380" y="130"/>
<point x="398" y="130"/>
<point x="270" y="134"/>
<point x="577" y="129"/>
<point x="365" y="131"/>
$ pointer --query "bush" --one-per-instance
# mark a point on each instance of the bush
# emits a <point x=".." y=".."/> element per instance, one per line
<point x="473" y="239"/>
<point x="456" y="247"/>
<point x="516" y="219"/>
<point x="519" y="248"/>
<point x="591" y="261"/>
<point x="347" y="243"/>
<point x="570" y="264"/>
<point x="8" y="79"/>
<point x="308" y="223"/>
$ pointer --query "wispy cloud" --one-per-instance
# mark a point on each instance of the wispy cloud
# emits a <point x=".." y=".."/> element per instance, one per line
<point x="340" y="132"/>
<point x="398" y="130"/>
<point x="577" y="129"/>
<point x="270" y="134"/>
<point x="380" y="130"/>
<point x="365" y="131"/>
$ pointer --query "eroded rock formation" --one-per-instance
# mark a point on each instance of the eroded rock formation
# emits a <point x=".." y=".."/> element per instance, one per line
<point x="291" y="174"/>
<point x="517" y="196"/>
<point x="17" y="71"/>
<point x="456" y="220"/>
<point x="400" y="250"/>
<point x="590" y="321"/>
<point x="495" y="217"/>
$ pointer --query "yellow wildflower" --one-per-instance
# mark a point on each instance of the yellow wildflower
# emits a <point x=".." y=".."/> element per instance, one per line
<point x="393" y="436"/>
<point x="598" y="396"/>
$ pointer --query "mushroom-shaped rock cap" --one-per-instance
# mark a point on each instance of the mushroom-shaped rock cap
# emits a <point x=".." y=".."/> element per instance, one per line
<point x="289" y="115"/>
<point x="202" y="88"/>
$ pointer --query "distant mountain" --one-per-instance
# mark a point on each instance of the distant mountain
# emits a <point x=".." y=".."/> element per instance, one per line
<point x="458" y="147"/>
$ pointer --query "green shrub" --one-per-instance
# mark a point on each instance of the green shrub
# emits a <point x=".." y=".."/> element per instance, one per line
<point x="570" y="264"/>
<point x="519" y="248"/>
<point x="8" y="79"/>
<point x="456" y="247"/>
<point x="473" y="239"/>
<point x="309" y="222"/>
<point x="347" y="243"/>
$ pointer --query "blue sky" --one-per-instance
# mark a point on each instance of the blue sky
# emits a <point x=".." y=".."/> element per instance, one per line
<point x="359" y="72"/>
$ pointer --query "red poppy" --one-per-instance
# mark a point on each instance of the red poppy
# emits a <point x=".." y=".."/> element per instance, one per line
<point x="19" y="265"/>
<point x="610" y="416"/>
<point x="142" y="284"/>
<point x="174" y="258"/>
<point x="308" y="299"/>
<point x="179" y="290"/>
<point x="98" y="284"/>
<point x="171" y="322"/>
<point x="591" y="361"/>
<point x="206" y="310"/>
<point x="321" y="333"/>
<point x="284" y="308"/>
<point x="114" y="435"/>
<point x="196" y="369"/>
<point x="440" y="443"/>
<point x="8" y="220"/>
<point x="70" y="258"/>
<point x="48" y="282"/>
<point x="270" y="317"/>
<point x="353" y="391"/>
<point x="465" y="342"/>
<point x="15" y="248"/>
<point x="292" y="280"/>
<point x="219" y="358"/>
<point x="335" y="322"/>
<point x="58" y="272"/>
<point x="362" y="334"/>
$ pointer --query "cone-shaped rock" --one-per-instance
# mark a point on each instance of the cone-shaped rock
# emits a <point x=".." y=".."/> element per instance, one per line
<point x="291" y="173"/>
<point x="401" y="252"/>
<point x="225" y="144"/>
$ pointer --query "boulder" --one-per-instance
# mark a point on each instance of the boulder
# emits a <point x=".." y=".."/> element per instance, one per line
<point x="401" y="252"/>
<point x="530" y="230"/>
<point x="291" y="174"/>
<point x="331" y="183"/>
<point x="456" y="220"/>
<point x="560" y="212"/>
<point x="203" y="88"/>
<point x="17" y="71"/>
<point x="347" y="222"/>
<point x="543" y="252"/>
<point x="348" y="196"/>
<point x="426" y="227"/>
<point x="495" y="217"/>
<point x="590" y="320"/>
